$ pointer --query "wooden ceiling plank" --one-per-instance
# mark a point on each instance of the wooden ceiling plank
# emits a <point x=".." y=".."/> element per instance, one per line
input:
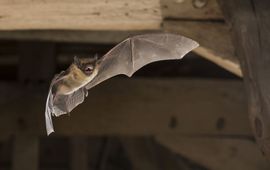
<point x="182" y="107"/>
<point x="214" y="39"/>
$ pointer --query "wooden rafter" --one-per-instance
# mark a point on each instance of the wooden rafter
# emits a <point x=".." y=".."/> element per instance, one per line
<point x="250" y="22"/>
<point x="111" y="21"/>
<point x="186" y="107"/>
<point x="212" y="152"/>
<point x="214" y="39"/>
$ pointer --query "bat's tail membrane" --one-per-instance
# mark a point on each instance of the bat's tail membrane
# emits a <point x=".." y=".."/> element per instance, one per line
<point x="48" y="115"/>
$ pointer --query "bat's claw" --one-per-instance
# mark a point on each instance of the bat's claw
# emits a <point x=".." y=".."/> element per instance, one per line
<point x="85" y="92"/>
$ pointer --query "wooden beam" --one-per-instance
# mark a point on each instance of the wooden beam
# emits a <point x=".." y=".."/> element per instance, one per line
<point x="145" y="154"/>
<point x="143" y="106"/>
<point x="79" y="153"/>
<point x="221" y="52"/>
<point x="100" y="14"/>
<point x="142" y="153"/>
<point x="95" y="36"/>
<point x="250" y="22"/>
<point x="191" y="9"/>
<point x="216" y="152"/>
<point x="214" y="39"/>
<point x="104" y="21"/>
<point x="25" y="153"/>
<point x="31" y="70"/>
<point x="80" y="14"/>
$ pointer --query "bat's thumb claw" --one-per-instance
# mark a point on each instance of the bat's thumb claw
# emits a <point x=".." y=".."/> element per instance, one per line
<point x="85" y="92"/>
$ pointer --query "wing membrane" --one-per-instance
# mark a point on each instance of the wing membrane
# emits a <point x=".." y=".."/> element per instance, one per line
<point x="134" y="53"/>
<point x="125" y="58"/>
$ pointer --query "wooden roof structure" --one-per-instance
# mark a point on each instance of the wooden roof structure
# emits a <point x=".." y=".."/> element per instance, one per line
<point x="217" y="113"/>
<point x="112" y="21"/>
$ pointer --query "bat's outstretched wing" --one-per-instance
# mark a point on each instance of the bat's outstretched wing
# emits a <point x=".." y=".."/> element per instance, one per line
<point x="126" y="58"/>
<point x="138" y="51"/>
<point x="61" y="104"/>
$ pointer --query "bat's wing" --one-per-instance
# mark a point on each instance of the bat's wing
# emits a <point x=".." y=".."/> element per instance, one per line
<point x="134" y="53"/>
<point x="126" y="58"/>
<point x="48" y="113"/>
<point x="61" y="104"/>
<point x="66" y="103"/>
<point x="49" y="109"/>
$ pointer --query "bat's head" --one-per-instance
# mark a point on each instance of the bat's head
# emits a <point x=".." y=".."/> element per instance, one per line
<point x="86" y="65"/>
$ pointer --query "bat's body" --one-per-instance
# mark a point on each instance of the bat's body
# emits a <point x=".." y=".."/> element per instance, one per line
<point x="72" y="80"/>
<point x="69" y="88"/>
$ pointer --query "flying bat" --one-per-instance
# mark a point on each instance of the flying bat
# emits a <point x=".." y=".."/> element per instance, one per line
<point x="69" y="88"/>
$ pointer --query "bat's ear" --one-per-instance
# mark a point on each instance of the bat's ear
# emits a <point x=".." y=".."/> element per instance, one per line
<point x="97" y="59"/>
<point x="76" y="60"/>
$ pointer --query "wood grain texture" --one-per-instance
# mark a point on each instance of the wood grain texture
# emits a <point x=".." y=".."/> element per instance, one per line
<point x="218" y="153"/>
<point x="250" y="22"/>
<point x="214" y="39"/>
<point x="80" y="14"/>
<point x="221" y="52"/>
<point x="84" y="36"/>
<point x="75" y="21"/>
<point x="137" y="107"/>
<point x="100" y="14"/>
<point x="191" y="9"/>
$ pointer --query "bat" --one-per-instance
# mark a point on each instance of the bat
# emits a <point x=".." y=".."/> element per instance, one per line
<point x="69" y="88"/>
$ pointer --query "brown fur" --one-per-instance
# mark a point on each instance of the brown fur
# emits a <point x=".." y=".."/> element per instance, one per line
<point x="73" y="79"/>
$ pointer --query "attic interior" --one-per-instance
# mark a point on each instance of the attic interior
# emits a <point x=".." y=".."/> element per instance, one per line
<point x="207" y="111"/>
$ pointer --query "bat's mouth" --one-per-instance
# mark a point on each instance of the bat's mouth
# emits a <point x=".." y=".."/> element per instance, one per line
<point x="88" y="71"/>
